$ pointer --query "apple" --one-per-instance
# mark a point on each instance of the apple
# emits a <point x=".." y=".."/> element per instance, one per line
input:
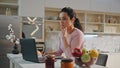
<point x="85" y="58"/>
<point x="84" y="50"/>
<point x="77" y="49"/>
<point x="77" y="52"/>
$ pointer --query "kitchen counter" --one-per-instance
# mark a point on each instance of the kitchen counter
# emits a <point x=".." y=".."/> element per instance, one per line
<point x="113" y="60"/>
<point x="16" y="61"/>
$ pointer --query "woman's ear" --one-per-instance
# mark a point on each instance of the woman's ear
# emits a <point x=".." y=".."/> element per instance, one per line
<point x="73" y="19"/>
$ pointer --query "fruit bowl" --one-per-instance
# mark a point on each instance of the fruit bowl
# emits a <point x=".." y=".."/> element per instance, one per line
<point x="85" y="58"/>
<point x="84" y="64"/>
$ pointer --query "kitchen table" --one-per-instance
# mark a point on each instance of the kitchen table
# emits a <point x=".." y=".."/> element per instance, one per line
<point x="16" y="61"/>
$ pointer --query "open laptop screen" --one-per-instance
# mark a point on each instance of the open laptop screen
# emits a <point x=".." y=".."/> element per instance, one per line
<point x="28" y="49"/>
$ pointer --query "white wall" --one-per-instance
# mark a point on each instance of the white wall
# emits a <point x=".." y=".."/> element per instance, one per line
<point x="76" y="4"/>
<point x="105" y="5"/>
<point x="31" y="8"/>
<point x="94" y="5"/>
<point x="36" y="7"/>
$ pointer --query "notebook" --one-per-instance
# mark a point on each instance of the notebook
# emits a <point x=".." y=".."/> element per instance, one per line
<point x="29" y="51"/>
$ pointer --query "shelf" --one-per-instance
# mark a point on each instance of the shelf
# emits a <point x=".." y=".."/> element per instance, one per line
<point x="102" y="33"/>
<point x="81" y="16"/>
<point x="82" y="22"/>
<point x="93" y="22"/>
<point x="8" y="7"/>
<point x="95" y="33"/>
<point x="9" y="4"/>
<point x="111" y="33"/>
<point x="92" y="17"/>
<point x="112" y="24"/>
<point x="112" y="18"/>
<point x="9" y="1"/>
<point x="52" y="9"/>
<point x="53" y="31"/>
<point x="51" y="20"/>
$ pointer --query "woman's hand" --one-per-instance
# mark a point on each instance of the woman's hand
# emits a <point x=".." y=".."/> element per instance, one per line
<point x="38" y="52"/>
<point x="64" y="32"/>
<point x="48" y="52"/>
<point x="64" y="36"/>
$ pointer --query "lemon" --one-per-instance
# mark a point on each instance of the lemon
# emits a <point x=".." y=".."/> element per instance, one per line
<point x="93" y="53"/>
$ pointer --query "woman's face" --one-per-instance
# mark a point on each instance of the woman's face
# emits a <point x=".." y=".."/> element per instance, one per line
<point x="65" y="21"/>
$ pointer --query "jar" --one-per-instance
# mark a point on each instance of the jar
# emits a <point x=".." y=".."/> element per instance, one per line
<point x="67" y="63"/>
<point x="49" y="61"/>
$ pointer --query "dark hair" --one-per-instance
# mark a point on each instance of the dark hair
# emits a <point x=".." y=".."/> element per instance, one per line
<point x="71" y="13"/>
<point x="23" y="35"/>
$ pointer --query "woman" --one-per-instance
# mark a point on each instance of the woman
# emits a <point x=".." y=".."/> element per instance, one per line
<point x="71" y="33"/>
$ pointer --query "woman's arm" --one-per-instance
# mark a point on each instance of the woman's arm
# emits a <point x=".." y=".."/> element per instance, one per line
<point x="76" y="42"/>
<point x="59" y="51"/>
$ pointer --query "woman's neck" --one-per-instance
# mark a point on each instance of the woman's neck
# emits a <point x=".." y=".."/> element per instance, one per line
<point x="71" y="30"/>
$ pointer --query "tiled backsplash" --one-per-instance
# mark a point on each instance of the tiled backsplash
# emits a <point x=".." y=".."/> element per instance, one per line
<point x="103" y="43"/>
<point x="52" y="40"/>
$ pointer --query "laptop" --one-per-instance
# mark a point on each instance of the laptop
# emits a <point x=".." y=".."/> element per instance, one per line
<point x="29" y="51"/>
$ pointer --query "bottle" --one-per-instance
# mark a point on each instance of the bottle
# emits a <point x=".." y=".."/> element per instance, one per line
<point x="67" y="63"/>
<point x="8" y="11"/>
<point x="49" y="62"/>
<point x="99" y="18"/>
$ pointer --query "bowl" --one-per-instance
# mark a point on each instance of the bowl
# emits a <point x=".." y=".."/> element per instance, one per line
<point x="82" y="64"/>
